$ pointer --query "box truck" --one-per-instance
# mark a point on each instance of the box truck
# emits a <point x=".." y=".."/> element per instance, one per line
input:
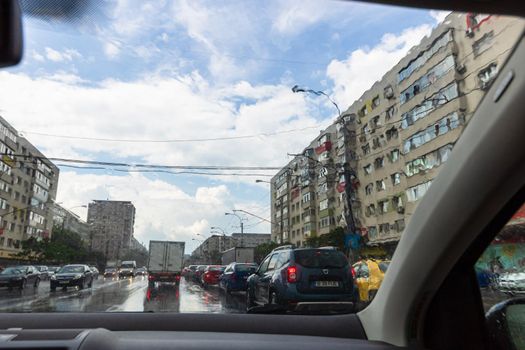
<point x="238" y="254"/>
<point x="165" y="262"/>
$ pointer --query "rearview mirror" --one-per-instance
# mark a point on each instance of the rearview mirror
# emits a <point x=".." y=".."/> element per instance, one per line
<point x="505" y="322"/>
<point x="11" y="40"/>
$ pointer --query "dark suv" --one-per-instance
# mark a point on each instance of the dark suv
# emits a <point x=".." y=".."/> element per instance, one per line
<point x="291" y="275"/>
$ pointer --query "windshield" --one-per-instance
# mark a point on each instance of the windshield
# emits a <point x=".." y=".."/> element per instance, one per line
<point x="293" y="138"/>
<point x="320" y="258"/>
<point x="11" y="271"/>
<point x="71" y="269"/>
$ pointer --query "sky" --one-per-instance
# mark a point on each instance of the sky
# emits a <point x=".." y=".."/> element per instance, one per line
<point x="184" y="71"/>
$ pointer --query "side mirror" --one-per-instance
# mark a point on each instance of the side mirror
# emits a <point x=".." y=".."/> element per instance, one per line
<point x="505" y="322"/>
<point x="11" y="39"/>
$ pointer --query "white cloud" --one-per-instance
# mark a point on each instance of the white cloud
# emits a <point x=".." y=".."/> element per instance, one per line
<point x="294" y="16"/>
<point x="36" y="56"/>
<point x="61" y="56"/>
<point x="111" y="49"/>
<point x="364" y="66"/>
<point x="439" y="16"/>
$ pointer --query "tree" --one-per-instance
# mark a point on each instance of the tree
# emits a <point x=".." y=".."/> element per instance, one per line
<point x="262" y="250"/>
<point x="334" y="238"/>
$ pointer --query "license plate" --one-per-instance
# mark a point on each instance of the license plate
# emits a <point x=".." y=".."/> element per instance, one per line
<point x="164" y="277"/>
<point x="326" y="284"/>
<point x="64" y="282"/>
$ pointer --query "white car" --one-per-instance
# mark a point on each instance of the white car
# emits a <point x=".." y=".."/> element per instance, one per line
<point x="513" y="282"/>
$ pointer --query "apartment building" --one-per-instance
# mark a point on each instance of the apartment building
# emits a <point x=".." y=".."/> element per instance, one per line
<point x="408" y="122"/>
<point x="28" y="185"/>
<point x="369" y="169"/>
<point x="66" y="219"/>
<point x="111" y="227"/>
<point x="249" y="240"/>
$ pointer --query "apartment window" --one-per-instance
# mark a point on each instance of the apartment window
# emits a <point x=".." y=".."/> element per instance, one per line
<point x="383" y="206"/>
<point x="323" y="172"/>
<point x="392" y="133"/>
<point x="487" y="75"/>
<point x="369" y="189"/>
<point x="424" y="56"/>
<point x="376" y="102"/>
<point x="12" y="227"/>
<point x="415" y="193"/>
<point x="376" y="122"/>
<point x="368" y="169"/>
<point x="428" y="79"/>
<point x="323" y="188"/>
<point x="397" y="203"/>
<point x="441" y="127"/>
<point x="394" y="155"/>
<point x="372" y="232"/>
<point x="323" y="205"/>
<point x="9" y="242"/>
<point x="379" y="162"/>
<point x="363" y="111"/>
<point x="366" y="148"/>
<point x="396" y="178"/>
<point x="380" y="186"/>
<point x="370" y="210"/>
<point x="3" y="204"/>
<point x="2" y="241"/>
<point x="389" y="114"/>
<point x="400" y="225"/>
<point x="426" y="107"/>
<point x="376" y="143"/>
<point x="483" y="44"/>
<point x="384" y="229"/>
<point x="429" y="160"/>
<point x="306" y="197"/>
<point x="365" y="130"/>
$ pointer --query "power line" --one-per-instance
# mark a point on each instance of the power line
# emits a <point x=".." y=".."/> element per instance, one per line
<point x="226" y="138"/>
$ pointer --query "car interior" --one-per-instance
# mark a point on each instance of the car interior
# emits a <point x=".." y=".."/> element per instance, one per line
<point x="429" y="297"/>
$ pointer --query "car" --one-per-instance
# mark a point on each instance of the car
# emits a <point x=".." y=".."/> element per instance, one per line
<point x="110" y="272"/>
<point x="95" y="272"/>
<point x="189" y="273"/>
<point x="12" y="277"/>
<point x="235" y="276"/>
<point x="142" y="271"/>
<point x="211" y="275"/>
<point x="74" y="275"/>
<point x="52" y="270"/>
<point x="44" y="272"/>
<point x="369" y="274"/>
<point x="127" y="269"/>
<point x="32" y="275"/>
<point x="512" y="282"/>
<point x="196" y="276"/>
<point x="290" y="275"/>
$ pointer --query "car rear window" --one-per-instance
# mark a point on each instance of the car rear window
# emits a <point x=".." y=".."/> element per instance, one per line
<point x="245" y="268"/>
<point x="216" y="268"/>
<point x="319" y="258"/>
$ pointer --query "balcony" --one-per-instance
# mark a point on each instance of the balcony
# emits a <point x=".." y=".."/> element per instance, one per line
<point x="324" y="147"/>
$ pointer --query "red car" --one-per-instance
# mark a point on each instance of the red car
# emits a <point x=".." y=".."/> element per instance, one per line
<point x="211" y="275"/>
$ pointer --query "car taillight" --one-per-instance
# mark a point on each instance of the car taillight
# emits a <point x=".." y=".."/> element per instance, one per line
<point x="177" y="277"/>
<point x="151" y="277"/>
<point x="291" y="273"/>
<point x="352" y="270"/>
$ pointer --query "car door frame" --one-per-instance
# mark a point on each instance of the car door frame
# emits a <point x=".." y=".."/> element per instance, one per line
<point x="261" y="271"/>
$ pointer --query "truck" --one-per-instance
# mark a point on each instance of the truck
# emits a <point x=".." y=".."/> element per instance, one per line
<point x="165" y="262"/>
<point x="238" y="254"/>
<point x="128" y="269"/>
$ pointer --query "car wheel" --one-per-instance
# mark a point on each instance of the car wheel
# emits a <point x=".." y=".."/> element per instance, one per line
<point x="23" y="284"/>
<point x="90" y="285"/>
<point x="37" y="282"/>
<point x="228" y="289"/>
<point x="53" y="288"/>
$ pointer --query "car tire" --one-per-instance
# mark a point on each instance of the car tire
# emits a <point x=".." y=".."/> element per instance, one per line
<point x="23" y="284"/>
<point x="37" y="282"/>
<point x="228" y="290"/>
<point x="90" y="285"/>
<point x="53" y="288"/>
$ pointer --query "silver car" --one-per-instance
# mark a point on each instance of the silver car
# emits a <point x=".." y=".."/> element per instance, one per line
<point x="512" y="282"/>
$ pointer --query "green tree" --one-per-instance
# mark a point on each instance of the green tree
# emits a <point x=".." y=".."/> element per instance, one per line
<point x="262" y="250"/>
<point x="334" y="238"/>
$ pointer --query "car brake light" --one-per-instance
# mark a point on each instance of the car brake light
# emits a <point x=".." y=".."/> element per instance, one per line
<point x="151" y="277"/>
<point x="177" y="277"/>
<point x="291" y="273"/>
<point x="352" y="270"/>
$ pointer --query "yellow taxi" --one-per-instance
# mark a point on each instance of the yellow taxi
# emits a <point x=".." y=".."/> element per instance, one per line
<point x="369" y="274"/>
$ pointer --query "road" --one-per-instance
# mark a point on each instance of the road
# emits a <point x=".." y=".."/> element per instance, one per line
<point x="122" y="295"/>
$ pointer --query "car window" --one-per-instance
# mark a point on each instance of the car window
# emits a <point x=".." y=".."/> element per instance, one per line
<point x="364" y="272"/>
<point x="383" y="266"/>
<point x="264" y="265"/>
<point x="273" y="262"/>
<point x="320" y="258"/>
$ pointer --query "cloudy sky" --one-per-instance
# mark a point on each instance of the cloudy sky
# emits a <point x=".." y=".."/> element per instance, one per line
<point x="184" y="71"/>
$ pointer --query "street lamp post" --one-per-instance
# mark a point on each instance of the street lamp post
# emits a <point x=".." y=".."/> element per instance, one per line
<point x="242" y="224"/>
<point x="347" y="172"/>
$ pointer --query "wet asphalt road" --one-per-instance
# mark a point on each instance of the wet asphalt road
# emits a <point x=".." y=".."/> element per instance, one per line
<point x="122" y="295"/>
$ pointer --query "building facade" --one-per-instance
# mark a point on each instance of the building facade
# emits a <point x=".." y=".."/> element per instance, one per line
<point x="70" y="221"/>
<point x="368" y="170"/>
<point x="249" y="240"/>
<point x="28" y="185"/>
<point x="111" y="227"/>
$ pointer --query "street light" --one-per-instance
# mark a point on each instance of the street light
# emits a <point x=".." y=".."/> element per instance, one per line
<point x="258" y="181"/>
<point x="242" y="224"/>
<point x="218" y="228"/>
